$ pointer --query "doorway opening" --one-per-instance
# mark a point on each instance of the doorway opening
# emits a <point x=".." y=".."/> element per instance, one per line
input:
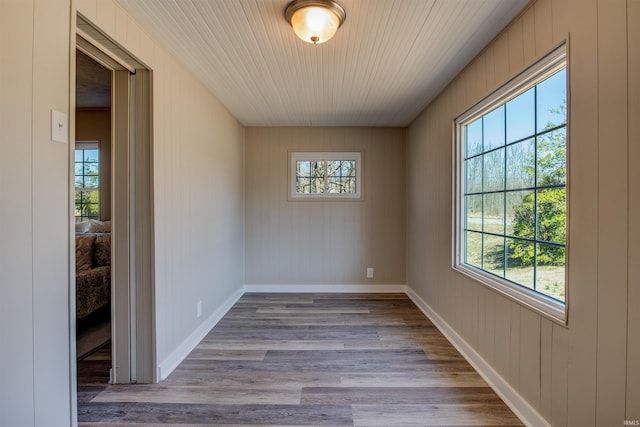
<point x="92" y="215"/>
<point x="113" y="212"/>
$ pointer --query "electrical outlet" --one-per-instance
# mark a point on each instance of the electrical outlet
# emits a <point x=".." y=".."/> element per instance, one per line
<point x="370" y="273"/>
<point x="199" y="309"/>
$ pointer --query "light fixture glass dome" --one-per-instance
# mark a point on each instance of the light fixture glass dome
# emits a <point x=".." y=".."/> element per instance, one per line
<point x="315" y="21"/>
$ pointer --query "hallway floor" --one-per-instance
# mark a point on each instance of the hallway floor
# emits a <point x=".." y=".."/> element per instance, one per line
<point x="310" y="359"/>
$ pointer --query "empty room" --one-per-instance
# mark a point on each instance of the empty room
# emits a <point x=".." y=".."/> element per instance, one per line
<point x="319" y="212"/>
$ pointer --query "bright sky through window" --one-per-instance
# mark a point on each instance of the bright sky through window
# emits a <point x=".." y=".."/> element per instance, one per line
<point x="512" y="167"/>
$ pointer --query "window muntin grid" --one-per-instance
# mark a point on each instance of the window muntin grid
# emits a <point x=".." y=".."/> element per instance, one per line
<point x="87" y="183"/>
<point x="325" y="174"/>
<point x="511" y="204"/>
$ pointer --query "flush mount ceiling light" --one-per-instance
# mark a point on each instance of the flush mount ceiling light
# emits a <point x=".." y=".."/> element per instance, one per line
<point x="315" y="21"/>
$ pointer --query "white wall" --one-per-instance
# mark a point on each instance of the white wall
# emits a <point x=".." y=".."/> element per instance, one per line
<point x="325" y="242"/>
<point x="34" y="214"/>
<point x="198" y="196"/>
<point x="588" y="373"/>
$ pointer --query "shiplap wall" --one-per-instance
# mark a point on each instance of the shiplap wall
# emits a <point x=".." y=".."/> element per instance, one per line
<point x="381" y="69"/>
<point x="198" y="186"/>
<point x="587" y="373"/>
<point x="324" y="242"/>
<point x="633" y="156"/>
<point x="34" y="215"/>
<point x="198" y="195"/>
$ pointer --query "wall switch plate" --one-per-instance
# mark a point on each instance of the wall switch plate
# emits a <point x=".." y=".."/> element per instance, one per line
<point x="59" y="127"/>
<point x="370" y="273"/>
<point x="199" y="308"/>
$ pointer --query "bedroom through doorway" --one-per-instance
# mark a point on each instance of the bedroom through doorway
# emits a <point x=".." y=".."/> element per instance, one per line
<point x="92" y="217"/>
<point x="113" y="212"/>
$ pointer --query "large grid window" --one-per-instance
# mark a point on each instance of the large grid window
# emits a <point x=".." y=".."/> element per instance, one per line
<point x="325" y="174"/>
<point x="87" y="181"/>
<point x="511" y="228"/>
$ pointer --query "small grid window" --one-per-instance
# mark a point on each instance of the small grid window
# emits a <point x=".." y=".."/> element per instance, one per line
<point x="511" y="206"/>
<point x="87" y="181"/>
<point x="325" y="174"/>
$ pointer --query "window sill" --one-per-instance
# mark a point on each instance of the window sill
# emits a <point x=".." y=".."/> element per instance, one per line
<point x="548" y="307"/>
<point x="324" y="198"/>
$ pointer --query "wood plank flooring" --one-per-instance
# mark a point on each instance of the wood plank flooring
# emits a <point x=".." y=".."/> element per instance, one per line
<point x="310" y="359"/>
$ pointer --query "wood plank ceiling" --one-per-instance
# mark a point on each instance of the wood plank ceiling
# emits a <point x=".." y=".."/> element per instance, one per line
<point x="383" y="67"/>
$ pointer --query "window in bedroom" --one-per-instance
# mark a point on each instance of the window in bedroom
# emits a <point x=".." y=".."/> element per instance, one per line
<point x="511" y="197"/>
<point x="326" y="175"/>
<point x="87" y="181"/>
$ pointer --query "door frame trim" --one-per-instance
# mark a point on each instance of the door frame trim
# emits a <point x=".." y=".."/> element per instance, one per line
<point x="139" y="265"/>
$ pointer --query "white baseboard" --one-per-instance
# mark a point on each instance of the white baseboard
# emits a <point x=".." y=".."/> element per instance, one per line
<point x="172" y="361"/>
<point x="327" y="288"/>
<point x="520" y="407"/>
<point x="176" y="357"/>
<point x="523" y="410"/>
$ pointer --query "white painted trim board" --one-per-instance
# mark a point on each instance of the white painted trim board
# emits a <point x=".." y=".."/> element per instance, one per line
<point x="339" y="289"/>
<point x="523" y="410"/>
<point x="520" y="407"/>
<point x="176" y="357"/>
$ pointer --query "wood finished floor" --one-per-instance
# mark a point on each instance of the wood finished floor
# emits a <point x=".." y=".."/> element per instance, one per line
<point x="307" y="359"/>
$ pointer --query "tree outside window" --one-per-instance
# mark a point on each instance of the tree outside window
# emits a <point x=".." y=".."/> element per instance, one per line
<point x="512" y="173"/>
<point x="326" y="175"/>
<point x="87" y="181"/>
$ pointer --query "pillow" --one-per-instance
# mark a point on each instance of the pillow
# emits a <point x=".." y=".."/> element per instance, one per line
<point x="84" y="252"/>
<point x="82" y="227"/>
<point x="102" y="252"/>
<point x="96" y="226"/>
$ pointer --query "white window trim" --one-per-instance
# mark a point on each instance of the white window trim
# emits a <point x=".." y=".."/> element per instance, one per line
<point x="88" y="145"/>
<point x="295" y="156"/>
<point x="544" y="305"/>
